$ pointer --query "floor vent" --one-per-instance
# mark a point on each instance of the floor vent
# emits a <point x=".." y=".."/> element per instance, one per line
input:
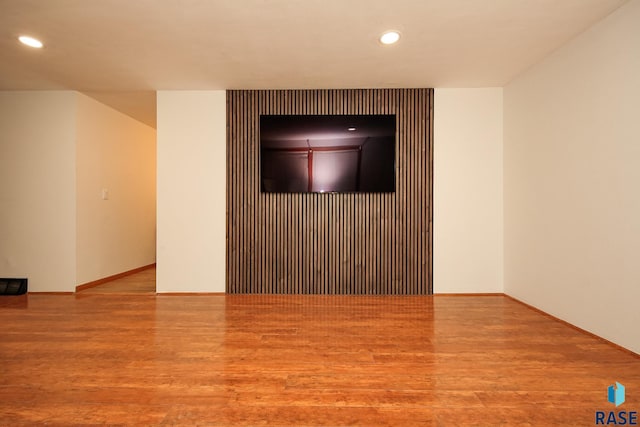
<point x="13" y="286"/>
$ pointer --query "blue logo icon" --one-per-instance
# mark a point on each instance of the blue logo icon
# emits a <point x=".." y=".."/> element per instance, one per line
<point x="616" y="394"/>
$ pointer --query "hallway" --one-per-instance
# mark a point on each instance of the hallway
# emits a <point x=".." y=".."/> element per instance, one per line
<point x="141" y="283"/>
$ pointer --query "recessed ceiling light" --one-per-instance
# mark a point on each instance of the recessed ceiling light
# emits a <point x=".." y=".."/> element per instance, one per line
<point x="30" y="41"/>
<point x="390" y="37"/>
<point x="351" y="128"/>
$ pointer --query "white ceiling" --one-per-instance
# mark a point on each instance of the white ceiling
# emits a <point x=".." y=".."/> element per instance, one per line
<point x="134" y="47"/>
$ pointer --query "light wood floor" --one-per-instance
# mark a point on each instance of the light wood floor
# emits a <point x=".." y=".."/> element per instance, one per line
<point x="300" y="361"/>
<point x="143" y="282"/>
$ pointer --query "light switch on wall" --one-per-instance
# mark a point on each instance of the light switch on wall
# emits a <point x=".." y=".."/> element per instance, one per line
<point x="105" y="194"/>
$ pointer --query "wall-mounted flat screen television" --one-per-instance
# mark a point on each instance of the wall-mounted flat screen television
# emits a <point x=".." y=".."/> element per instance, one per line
<point x="327" y="153"/>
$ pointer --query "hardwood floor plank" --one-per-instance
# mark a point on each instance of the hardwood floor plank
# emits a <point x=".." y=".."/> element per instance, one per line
<point x="300" y="360"/>
<point x="142" y="282"/>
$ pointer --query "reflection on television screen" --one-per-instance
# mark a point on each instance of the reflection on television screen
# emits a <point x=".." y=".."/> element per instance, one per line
<point x="326" y="154"/>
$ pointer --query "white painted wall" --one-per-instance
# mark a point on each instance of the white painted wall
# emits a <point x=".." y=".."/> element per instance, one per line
<point x="117" y="153"/>
<point x="467" y="186"/>
<point x="37" y="188"/>
<point x="191" y="204"/>
<point x="572" y="181"/>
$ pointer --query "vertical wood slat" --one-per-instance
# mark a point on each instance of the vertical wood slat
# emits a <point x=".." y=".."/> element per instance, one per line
<point x="376" y="243"/>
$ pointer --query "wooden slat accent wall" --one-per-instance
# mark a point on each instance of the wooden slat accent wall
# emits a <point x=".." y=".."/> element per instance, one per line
<point x="378" y="243"/>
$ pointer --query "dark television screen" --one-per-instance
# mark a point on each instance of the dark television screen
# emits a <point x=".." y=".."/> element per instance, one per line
<point x="327" y="154"/>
